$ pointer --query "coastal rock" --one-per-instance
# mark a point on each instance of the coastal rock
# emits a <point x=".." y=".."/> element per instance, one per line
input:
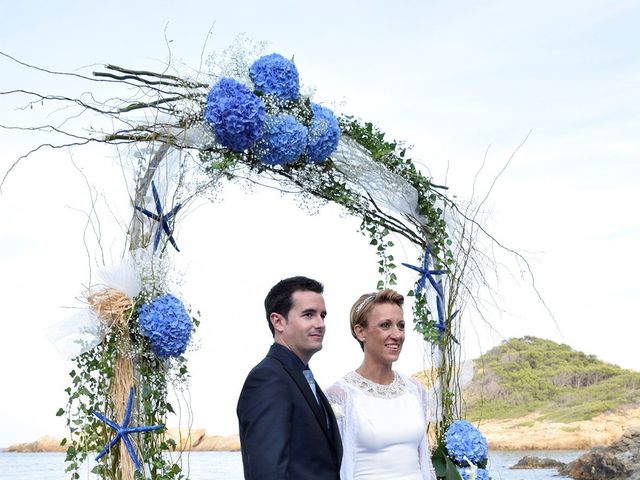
<point x="596" y="466"/>
<point x="43" y="444"/>
<point x="531" y="461"/>
<point x="525" y="433"/>
<point x="198" y="441"/>
<point x="216" y="443"/>
<point x="618" y="461"/>
<point x="186" y="440"/>
<point x="533" y="433"/>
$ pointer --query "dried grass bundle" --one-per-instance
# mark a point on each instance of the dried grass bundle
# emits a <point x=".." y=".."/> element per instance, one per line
<point x="114" y="308"/>
<point x="111" y="306"/>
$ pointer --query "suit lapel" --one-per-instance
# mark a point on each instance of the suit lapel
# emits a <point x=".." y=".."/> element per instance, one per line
<point x="304" y="387"/>
<point x="295" y="372"/>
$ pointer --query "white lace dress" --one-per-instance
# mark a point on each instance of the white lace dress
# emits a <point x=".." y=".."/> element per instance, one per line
<point x="382" y="428"/>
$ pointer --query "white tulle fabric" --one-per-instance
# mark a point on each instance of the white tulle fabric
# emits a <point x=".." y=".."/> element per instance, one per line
<point x="83" y="330"/>
<point x="124" y="276"/>
<point x="76" y="334"/>
<point x="383" y="429"/>
<point x="389" y="190"/>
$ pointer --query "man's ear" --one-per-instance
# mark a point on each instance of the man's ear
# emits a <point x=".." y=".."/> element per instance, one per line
<point x="277" y="321"/>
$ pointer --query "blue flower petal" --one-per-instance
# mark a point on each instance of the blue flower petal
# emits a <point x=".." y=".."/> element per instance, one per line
<point x="463" y="439"/>
<point x="167" y="324"/>
<point x="283" y="141"/>
<point x="235" y="114"/>
<point x="481" y="474"/>
<point x="324" y="134"/>
<point x="276" y="75"/>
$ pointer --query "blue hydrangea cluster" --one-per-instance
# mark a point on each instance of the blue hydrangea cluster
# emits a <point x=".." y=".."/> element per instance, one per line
<point x="481" y="474"/>
<point x="274" y="74"/>
<point x="239" y="120"/>
<point x="167" y="324"/>
<point x="235" y="114"/>
<point x="283" y="140"/>
<point x="324" y="134"/>
<point x="464" y="440"/>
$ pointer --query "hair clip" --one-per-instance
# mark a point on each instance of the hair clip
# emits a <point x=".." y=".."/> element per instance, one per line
<point x="365" y="301"/>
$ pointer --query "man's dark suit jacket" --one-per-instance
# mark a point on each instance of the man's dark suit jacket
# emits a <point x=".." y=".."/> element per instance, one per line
<point x="283" y="430"/>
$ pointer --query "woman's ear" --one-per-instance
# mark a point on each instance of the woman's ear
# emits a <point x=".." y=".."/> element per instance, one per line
<point x="359" y="330"/>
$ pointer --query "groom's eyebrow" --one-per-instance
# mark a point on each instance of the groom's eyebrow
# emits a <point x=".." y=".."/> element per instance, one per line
<point x="313" y="310"/>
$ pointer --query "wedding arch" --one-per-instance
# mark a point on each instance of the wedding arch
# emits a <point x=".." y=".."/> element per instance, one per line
<point x="248" y="122"/>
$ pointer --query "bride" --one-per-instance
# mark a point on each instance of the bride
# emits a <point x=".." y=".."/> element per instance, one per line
<point x="381" y="413"/>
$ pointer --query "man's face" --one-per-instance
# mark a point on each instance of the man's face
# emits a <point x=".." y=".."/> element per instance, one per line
<point x="302" y="330"/>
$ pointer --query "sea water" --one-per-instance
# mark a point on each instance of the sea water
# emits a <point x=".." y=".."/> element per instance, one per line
<point x="228" y="466"/>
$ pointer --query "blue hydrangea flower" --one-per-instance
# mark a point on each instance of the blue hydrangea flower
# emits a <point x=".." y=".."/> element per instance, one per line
<point x="481" y="473"/>
<point x="167" y="325"/>
<point x="283" y="141"/>
<point x="463" y="439"/>
<point x="324" y="134"/>
<point x="276" y="75"/>
<point x="235" y="114"/>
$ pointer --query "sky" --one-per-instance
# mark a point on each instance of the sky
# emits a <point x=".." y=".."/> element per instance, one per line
<point x="463" y="83"/>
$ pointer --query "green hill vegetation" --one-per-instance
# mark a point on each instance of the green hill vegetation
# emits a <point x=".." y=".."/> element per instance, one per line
<point x="525" y="375"/>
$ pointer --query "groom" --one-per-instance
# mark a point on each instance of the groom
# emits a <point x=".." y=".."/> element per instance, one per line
<point x="287" y="427"/>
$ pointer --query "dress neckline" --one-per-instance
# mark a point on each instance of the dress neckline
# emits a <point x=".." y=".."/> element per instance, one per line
<point x="395" y="389"/>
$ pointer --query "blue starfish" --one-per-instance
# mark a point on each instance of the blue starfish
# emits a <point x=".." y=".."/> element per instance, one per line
<point x="123" y="431"/>
<point x="427" y="274"/>
<point x="161" y="218"/>
<point x="440" y="324"/>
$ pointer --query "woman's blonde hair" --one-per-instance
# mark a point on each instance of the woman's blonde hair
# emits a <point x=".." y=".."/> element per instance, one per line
<point x="363" y="306"/>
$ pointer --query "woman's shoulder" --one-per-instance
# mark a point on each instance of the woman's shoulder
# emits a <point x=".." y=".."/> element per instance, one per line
<point x="411" y="382"/>
<point x="339" y="389"/>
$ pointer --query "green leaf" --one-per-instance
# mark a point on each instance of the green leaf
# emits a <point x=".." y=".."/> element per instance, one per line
<point x="444" y="467"/>
<point x="451" y="472"/>
<point x="438" y="459"/>
<point x="60" y="412"/>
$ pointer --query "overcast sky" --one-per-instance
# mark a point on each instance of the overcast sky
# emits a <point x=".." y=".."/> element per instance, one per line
<point x="456" y="80"/>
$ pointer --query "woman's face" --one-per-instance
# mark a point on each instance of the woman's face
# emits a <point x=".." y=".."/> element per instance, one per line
<point x="384" y="334"/>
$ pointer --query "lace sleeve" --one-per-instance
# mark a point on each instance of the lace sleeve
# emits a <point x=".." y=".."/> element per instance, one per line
<point x="337" y="396"/>
<point x="341" y="400"/>
<point x="424" y="452"/>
